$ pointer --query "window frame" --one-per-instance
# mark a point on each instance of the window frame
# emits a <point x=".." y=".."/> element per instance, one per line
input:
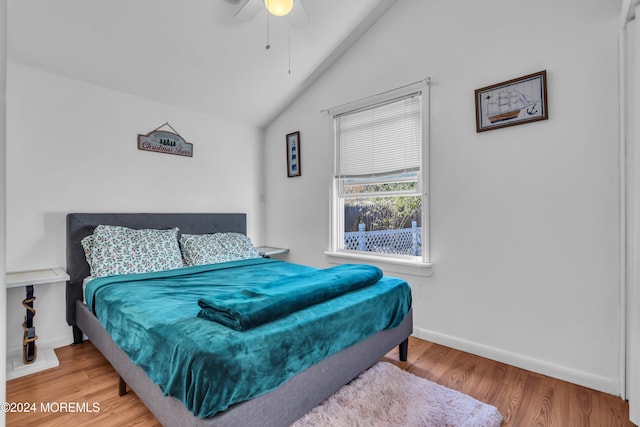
<point x="336" y="221"/>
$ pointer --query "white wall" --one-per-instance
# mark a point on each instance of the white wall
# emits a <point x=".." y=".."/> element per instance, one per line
<point x="630" y="85"/>
<point x="524" y="220"/>
<point x="3" y="296"/>
<point x="72" y="147"/>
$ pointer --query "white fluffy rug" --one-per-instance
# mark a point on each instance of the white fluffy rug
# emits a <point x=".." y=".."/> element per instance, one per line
<point x="385" y="395"/>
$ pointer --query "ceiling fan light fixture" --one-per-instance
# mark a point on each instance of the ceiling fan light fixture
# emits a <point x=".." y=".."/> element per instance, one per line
<point x="279" y="7"/>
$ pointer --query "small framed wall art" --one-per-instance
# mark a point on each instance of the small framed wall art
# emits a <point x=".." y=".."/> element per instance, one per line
<point x="293" y="154"/>
<point x="513" y="102"/>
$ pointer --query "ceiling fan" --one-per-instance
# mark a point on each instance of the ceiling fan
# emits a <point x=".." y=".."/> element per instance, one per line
<point x="248" y="10"/>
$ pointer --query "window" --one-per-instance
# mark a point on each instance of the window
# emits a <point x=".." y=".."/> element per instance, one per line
<point x="380" y="181"/>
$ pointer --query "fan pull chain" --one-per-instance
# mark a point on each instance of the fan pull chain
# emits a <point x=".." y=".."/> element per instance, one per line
<point x="289" y="44"/>
<point x="268" y="46"/>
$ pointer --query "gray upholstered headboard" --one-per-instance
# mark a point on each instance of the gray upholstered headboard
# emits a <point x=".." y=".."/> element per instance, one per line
<point x="80" y="225"/>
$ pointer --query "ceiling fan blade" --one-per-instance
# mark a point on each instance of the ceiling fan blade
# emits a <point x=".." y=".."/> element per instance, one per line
<point x="248" y="10"/>
<point x="299" y="16"/>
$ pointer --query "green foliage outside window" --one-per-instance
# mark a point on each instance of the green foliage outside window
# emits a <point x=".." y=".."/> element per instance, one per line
<point x="382" y="212"/>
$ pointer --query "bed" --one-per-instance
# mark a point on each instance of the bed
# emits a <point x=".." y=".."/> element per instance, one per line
<point x="299" y="392"/>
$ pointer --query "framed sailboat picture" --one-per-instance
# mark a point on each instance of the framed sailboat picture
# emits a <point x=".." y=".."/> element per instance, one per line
<point x="513" y="102"/>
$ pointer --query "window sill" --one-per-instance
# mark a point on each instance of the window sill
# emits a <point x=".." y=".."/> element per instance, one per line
<point x="385" y="263"/>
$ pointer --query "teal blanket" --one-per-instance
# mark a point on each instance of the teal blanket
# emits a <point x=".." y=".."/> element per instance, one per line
<point x="153" y="317"/>
<point x="252" y="307"/>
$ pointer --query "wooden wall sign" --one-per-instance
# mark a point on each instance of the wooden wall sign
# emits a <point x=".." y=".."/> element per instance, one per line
<point x="162" y="141"/>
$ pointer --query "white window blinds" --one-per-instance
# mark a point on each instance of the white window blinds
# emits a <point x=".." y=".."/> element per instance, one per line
<point x="384" y="139"/>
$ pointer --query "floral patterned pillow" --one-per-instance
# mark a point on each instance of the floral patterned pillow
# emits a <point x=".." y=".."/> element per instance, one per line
<point x="112" y="250"/>
<point x="87" y="245"/>
<point x="199" y="249"/>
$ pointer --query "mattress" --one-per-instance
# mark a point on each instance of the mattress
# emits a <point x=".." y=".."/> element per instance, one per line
<point x="153" y="317"/>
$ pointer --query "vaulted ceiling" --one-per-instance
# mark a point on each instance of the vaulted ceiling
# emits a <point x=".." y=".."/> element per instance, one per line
<point x="196" y="54"/>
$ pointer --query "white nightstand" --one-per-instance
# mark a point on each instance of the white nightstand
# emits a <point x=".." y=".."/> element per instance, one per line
<point x="267" y="251"/>
<point x="45" y="357"/>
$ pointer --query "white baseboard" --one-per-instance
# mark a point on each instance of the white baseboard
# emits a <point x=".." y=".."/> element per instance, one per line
<point x="585" y="379"/>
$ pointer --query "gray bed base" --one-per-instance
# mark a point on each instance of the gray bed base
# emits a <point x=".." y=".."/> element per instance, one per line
<point x="280" y="407"/>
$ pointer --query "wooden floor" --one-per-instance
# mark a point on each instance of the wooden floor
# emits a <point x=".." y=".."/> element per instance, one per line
<point x="524" y="398"/>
